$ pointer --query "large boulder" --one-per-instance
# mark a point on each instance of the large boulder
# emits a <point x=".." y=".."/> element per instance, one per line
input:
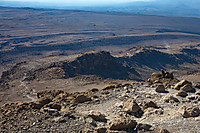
<point x="187" y="88"/>
<point x="181" y="84"/>
<point x="189" y="111"/>
<point x="122" y="124"/>
<point x="130" y="106"/>
<point x="160" y="88"/>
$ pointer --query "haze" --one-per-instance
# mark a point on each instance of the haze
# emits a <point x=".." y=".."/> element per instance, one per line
<point x="184" y="8"/>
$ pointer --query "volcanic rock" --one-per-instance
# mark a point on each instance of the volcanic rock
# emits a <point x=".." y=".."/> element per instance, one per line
<point x="169" y="98"/>
<point x="130" y="106"/>
<point x="123" y="123"/>
<point x="182" y="93"/>
<point x="181" y="84"/>
<point x="187" y="88"/>
<point x="81" y="99"/>
<point x="101" y="129"/>
<point x="145" y="127"/>
<point x="160" y="88"/>
<point x="97" y="115"/>
<point x="150" y="104"/>
<point x="189" y="111"/>
<point x="41" y="102"/>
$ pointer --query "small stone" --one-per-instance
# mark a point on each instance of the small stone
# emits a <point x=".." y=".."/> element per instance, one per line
<point x="164" y="131"/>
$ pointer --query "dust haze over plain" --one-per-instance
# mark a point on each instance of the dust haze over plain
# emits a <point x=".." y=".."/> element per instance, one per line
<point x="184" y="8"/>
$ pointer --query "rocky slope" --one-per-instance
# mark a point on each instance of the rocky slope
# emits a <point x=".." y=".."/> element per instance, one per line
<point x="77" y="72"/>
<point x="154" y="106"/>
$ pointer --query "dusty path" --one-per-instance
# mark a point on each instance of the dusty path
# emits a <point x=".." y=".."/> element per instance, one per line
<point x="29" y="93"/>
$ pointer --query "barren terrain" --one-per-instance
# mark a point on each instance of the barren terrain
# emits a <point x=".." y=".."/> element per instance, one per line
<point x="78" y="71"/>
<point x="27" y="33"/>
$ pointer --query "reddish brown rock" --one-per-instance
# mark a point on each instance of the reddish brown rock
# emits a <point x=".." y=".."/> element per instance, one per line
<point x="81" y="99"/>
<point x="130" y="106"/>
<point x="189" y="111"/>
<point x="97" y="115"/>
<point x="123" y="123"/>
<point x="181" y="84"/>
<point x="187" y="88"/>
<point x="160" y="88"/>
<point x="182" y="93"/>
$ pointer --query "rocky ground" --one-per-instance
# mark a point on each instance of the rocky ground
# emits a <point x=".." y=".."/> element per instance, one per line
<point x="162" y="104"/>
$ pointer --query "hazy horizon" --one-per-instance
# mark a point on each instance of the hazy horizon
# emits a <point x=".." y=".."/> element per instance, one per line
<point x="185" y="8"/>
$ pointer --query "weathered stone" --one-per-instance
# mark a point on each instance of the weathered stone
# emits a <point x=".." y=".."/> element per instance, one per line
<point x="123" y="123"/>
<point x="182" y="83"/>
<point x="150" y="104"/>
<point x="189" y="111"/>
<point x="81" y="99"/>
<point x="160" y="88"/>
<point x="170" y="97"/>
<point x="97" y="115"/>
<point x="130" y="106"/>
<point x="164" y="131"/>
<point x="182" y="93"/>
<point x="187" y="88"/>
